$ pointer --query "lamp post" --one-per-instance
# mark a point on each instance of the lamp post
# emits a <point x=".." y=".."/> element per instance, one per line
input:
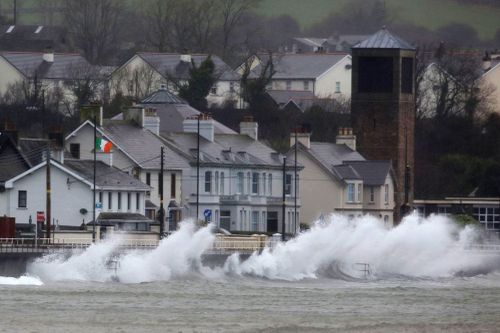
<point x="283" y="207"/>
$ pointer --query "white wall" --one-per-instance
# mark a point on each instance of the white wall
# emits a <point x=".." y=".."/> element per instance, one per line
<point x="9" y="75"/>
<point x="325" y="84"/>
<point x="68" y="196"/>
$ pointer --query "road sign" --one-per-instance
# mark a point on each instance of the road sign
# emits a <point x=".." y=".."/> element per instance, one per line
<point x="98" y="205"/>
<point x="207" y="213"/>
<point x="40" y="216"/>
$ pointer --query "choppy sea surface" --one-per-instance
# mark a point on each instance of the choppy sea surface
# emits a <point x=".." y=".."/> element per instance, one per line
<point x="425" y="275"/>
<point x="197" y="304"/>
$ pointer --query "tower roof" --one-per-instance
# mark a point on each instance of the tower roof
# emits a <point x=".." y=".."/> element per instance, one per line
<point x="383" y="39"/>
<point x="163" y="96"/>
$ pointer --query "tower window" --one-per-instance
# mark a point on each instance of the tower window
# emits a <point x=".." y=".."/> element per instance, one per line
<point x="375" y="75"/>
<point x="407" y="75"/>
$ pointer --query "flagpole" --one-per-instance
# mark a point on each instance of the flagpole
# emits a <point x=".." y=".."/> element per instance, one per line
<point x="95" y="157"/>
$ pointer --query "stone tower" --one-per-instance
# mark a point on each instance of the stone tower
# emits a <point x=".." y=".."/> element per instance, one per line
<point x="383" y="108"/>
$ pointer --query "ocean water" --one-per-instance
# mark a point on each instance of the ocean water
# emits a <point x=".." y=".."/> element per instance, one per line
<point x="422" y="278"/>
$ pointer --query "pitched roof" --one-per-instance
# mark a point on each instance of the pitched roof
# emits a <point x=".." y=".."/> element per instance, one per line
<point x="331" y="154"/>
<point x="163" y="96"/>
<point x="227" y="149"/>
<point x="373" y="173"/>
<point x="142" y="145"/>
<point x="106" y="176"/>
<point x="12" y="161"/>
<point x="33" y="149"/>
<point x="171" y="64"/>
<point x="311" y="41"/>
<point x="346" y="172"/>
<point x="284" y="96"/>
<point x="31" y="37"/>
<point x="65" y="65"/>
<point x="172" y="111"/>
<point x="303" y="65"/>
<point x="383" y="39"/>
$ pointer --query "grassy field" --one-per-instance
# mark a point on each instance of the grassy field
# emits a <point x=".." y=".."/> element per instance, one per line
<point x="431" y="14"/>
<point x="428" y="13"/>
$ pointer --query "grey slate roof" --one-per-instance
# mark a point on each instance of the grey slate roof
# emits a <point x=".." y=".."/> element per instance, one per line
<point x="331" y="154"/>
<point x="346" y="172"/>
<point x="311" y="41"/>
<point x="383" y="39"/>
<point x="302" y="65"/>
<point x="33" y="149"/>
<point x="171" y="63"/>
<point x="12" y="161"/>
<point x="65" y="66"/>
<point x="373" y="173"/>
<point x="227" y="149"/>
<point x="284" y="96"/>
<point x="106" y="176"/>
<point x="163" y="96"/>
<point x="32" y="37"/>
<point x="143" y="145"/>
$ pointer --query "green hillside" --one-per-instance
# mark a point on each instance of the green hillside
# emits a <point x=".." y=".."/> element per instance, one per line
<point x="431" y="14"/>
<point x="428" y="13"/>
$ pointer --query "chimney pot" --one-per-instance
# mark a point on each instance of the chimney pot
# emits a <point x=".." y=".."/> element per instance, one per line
<point x="346" y="137"/>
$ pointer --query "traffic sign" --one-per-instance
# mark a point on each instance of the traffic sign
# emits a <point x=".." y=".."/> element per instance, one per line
<point x="98" y="205"/>
<point x="207" y="213"/>
<point x="40" y="216"/>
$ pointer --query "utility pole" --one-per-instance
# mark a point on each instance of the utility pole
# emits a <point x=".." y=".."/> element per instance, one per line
<point x="48" y="189"/>
<point x="162" y="212"/>
<point x="198" y="171"/>
<point x="14" y="13"/>
<point x="284" y="201"/>
<point x="295" y="188"/>
<point x="93" y="190"/>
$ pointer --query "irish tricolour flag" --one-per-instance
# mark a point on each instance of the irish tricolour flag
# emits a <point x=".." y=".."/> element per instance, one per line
<point x="103" y="145"/>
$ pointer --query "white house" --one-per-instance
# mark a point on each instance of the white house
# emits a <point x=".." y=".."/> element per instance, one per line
<point x="71" y="193"/>
<point x="325" y="75"/>
<point x="337" y="179"/>
<point x="145" y="72"/>
<point x="491" y="78"/>
<point x="240" y="179"/>
<point x="51" y="76"/>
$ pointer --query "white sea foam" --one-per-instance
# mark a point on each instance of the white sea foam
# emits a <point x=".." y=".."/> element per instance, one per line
<point x="431" y="247"/>
<point x="20" y="281"/>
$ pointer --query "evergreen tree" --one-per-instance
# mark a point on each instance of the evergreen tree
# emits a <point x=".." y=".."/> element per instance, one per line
<point x="201" y="80"/>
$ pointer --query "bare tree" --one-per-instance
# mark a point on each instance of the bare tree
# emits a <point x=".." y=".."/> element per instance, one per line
<point x="136" y="83"/>
<point x="94" y="26"/>
<point x="232" y="12"/>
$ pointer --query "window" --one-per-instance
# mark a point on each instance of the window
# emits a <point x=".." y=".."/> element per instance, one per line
<point x="270" y="184"/>
<point x="248" y="183"/>
<point x="173" y="185"/>
<point x="375" y="75"/>
<point x="407" y="75"/>
<point x="138" y="201"/>
<point x="288" y="184"/>
<point x="148" y="178"/>
<point x="225" y="219"/>
<point x="129" y="201"/>
<point x="74" y="150"/>
<point x="444" y="210"/>
<point x="350" y="192"/>
<point x="208" y="181"/>
<point x="222" y="182"/>
<point x="119" y="200"/>
<point x="255" y="183"/>
<point x="110" y="200"/>
<point x="288" y="85"/>
<point x="255" y="221"/>
<point x="306" y="85"/>
<point x="231" y="87"/>
<point x="386" y="193"/>
<point x="337" y="87"/>
<point x="22" y="199"/>
<point x="372" y="194"/>
<point x="359" y="193"/>
<point x="264" y="176"/>
<point x="240" y="182"/>
<point x="213" y="90"/>
<point x="386" y="220"/>
<point x="488" y="216"/>
<point x="100" y="198"/>
<point x="216" y="182"/>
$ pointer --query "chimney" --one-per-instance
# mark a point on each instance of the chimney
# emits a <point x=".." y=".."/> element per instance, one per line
<point x="48" y="55"/>
<point x="303" y="136"/>
<point x="186" y="58"/>
<point x="346" y="137"/>
<point x="190" y="125"/>
<point x="56" y="137"/>
<point x="249" y="127"/>
<point x="146" y="118"/>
